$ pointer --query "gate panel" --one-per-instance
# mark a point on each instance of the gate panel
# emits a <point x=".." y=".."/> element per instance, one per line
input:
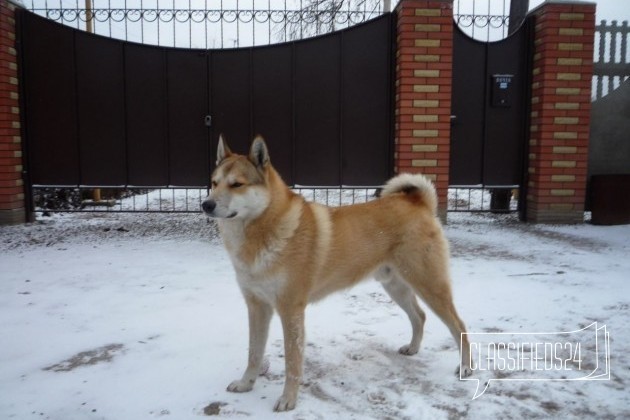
<point x="365" y="156"/>
<point x="188" y="151"/>
<point x="490" y="110"/>
<point x="101" y="107"/>
<point x="103" y="112"/>
<point x="468" y="110"/>
<point x="272" y="104"/>
<point x="51" y="123"/>
<point x="506" y="126"/>
<point x="317" y="87"/>
<point x="146" y="103"/>
<point x="230" y="97"/>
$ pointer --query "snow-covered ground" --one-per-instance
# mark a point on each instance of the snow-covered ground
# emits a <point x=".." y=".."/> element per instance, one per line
<point x="124" y="316"/>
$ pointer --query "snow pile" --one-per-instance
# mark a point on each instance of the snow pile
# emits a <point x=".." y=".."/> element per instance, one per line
<point x="126" y="316"/>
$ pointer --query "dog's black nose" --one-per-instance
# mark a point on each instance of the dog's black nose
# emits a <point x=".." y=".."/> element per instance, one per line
<point x="208" y="206"/>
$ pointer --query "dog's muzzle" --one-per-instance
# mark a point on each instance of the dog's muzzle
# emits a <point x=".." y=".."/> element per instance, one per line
<point x="209" y="206"/>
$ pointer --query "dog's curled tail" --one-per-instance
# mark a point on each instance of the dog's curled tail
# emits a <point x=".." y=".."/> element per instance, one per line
<point x="416" y="186"/>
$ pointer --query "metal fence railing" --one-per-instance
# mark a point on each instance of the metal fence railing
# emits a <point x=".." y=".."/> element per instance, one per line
<point x="168" y="200"/>
<point x="208" y="24"/>
<point x="188" y="200"/>
<point x="483" y="199"/>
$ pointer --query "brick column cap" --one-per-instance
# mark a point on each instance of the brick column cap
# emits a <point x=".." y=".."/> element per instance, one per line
<point x="399" y="5"/>
<point x="562" y="3"/>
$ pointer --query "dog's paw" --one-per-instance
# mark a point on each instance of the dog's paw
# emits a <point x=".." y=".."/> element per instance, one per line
<point x="240" y="386"/>
<point x="408" y="350"/>
<point x="465" y="373"/>
<point x="285" y="404"/>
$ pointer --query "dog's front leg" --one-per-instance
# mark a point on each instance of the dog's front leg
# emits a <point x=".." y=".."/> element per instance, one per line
<point x="260" y="313"/>
<point x="293" y="329"/>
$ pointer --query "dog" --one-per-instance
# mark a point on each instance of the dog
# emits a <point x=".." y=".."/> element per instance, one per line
<point x="288" y="252"/>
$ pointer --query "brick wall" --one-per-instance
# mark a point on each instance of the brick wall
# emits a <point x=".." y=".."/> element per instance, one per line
<point x="561" y="102"/>
<point x="423" y="91"/>
<point x="12" y="208"/>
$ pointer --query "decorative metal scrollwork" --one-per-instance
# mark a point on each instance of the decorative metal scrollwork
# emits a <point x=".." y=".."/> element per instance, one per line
<point x="488" y="27"/>
<point x="259" y="26"/>
<point x="212" y="16"/>
<point x="482" y="21"/>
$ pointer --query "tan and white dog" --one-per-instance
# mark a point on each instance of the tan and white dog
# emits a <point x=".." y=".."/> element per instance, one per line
<point x="288" y="252"/>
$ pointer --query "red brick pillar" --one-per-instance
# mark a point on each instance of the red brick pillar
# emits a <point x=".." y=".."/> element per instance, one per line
<point x="424" y="63"/>
<point x="561" y="104"/>
<point x="12" y="207"/>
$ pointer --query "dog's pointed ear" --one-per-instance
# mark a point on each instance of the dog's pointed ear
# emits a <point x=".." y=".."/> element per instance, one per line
<point x="258" y="153"/>
<point x="223" y="151"/>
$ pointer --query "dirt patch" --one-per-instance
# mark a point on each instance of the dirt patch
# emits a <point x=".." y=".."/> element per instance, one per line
<point x="573" y="241"/>
<point x="213" y="409"/>
<point x="103" y="354"/>
<point x="550" y="407"/>
<point x="461" y="248"/>
<point x="92" y="228"/>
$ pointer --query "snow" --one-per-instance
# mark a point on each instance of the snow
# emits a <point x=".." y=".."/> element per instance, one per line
<point x="126" y="316"/>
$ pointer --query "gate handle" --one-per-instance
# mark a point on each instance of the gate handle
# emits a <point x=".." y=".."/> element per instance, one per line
<point x="207" y="120"/>
<point x="453" y="119"/>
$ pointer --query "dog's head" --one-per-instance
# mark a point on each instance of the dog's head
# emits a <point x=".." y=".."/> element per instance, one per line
<point x="239" y="183"/>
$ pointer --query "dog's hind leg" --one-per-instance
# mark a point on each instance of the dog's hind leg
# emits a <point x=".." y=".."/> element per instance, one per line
<point x="433" y="286"/>
<point x="260" y="313"/>
<point x="405" y="297"/>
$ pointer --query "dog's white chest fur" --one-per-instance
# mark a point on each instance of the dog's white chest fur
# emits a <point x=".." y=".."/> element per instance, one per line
<point x="267" y="289"/>
<point x="259" y="275"/>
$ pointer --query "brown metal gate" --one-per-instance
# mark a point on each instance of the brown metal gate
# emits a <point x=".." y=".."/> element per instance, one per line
<point x="104" y="112"/>
<point x="490" y="111"/>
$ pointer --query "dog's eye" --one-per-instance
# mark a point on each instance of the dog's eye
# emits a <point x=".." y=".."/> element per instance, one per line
<point x="214" y="184"/>
<point x="236" y="185"/>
